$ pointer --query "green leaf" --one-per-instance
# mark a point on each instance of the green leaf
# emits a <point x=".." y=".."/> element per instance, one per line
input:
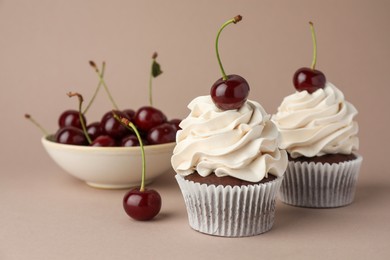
<point x="156" y="70"/>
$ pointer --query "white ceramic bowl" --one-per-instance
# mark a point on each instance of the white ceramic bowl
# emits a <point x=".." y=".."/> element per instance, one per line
<point x="110" y="167"/>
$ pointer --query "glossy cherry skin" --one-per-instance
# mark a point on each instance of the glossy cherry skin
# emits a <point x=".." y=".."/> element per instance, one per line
<point x="142" y="205"/>
<point x="94" y="130"/>
<point x="112" y="127"/>
<point x="309" y="80"/>
<point x="70" y="118"/>
<point x="103" y="141"/>
<point x="176" y="123"/>
<point x="148" y="117"/>
<point x="161" y="134"/>
<point x="130" y="141"/>
<point x="130" y="113"/>
<point x="231" y="93"/>
<point x="71" y="135"/>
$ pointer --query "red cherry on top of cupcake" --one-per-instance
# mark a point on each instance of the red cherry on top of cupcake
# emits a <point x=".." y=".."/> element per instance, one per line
<point x="231" y="91"/>
<point x="310" y="79"/>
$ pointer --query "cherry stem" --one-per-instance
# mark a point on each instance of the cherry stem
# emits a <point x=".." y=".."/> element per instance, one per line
<point x="96" y="90"/>
<point x="234" y="20"/>
<point x="128" y="124"/>
<point x="80" y="97"/>
<point x="43" y="130"/>
<point x="151" y="79"/>
<point x="93" y="65"/>
<point x="313" y="36"/>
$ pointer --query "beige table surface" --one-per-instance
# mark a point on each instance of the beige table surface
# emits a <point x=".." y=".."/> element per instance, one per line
<point x="50" y="215"/>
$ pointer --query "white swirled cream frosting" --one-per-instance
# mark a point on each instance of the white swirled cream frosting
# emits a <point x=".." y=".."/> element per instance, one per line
<point x="240" y="143"/>
<point x="317" y="124"/>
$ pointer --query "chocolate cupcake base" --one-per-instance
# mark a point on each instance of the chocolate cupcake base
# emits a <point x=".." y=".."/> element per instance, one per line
<point x="319" y="184"/>
<point x="224" y="181"/>
<point x="230" y="211"/>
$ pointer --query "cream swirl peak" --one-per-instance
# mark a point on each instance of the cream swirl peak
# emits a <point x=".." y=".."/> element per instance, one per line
<point x="240" y="143"/>
<point x="317" y="124"/>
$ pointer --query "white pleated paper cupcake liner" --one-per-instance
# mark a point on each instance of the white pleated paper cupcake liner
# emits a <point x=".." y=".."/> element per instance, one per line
<point x="230" y="211"/>
<point x="318" y="185"/>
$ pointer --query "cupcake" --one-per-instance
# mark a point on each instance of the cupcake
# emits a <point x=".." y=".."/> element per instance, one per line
<point x="227" y="159"/>
<point x="229" y="168"/>
<point x="319" y="132"/>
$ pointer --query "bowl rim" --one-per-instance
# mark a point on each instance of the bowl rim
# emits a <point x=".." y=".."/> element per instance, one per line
<point x="48" y="140"/>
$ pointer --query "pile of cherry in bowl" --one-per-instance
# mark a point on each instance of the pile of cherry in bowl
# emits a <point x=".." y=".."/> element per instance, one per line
<point x="152" y="123"/>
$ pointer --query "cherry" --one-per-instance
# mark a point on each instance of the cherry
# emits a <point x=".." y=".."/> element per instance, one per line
<point x="142" y="205"/>
<point x="71" y="135"/>
<point x="108" y="115"/>
<point x="176" y="123"/>
<point x="310" y="79"/>
<point x="81" y="116"/>
<point x="70" y="118"/>
<point x="161" y="134"/>
<point x="129" y="113"/>
<point x="109" y="131"/>
<point x="145" y="141"/>
<point x="148" y="117"/>
<point x="94" y="130"/>
<point x="112" y="127"/>
<point x="130" y="141"/>
<point x="103" y="141"/>
<point x="231" y="91"/>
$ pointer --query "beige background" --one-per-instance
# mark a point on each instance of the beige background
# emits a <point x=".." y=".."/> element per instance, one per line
<point x="45" y="47"/>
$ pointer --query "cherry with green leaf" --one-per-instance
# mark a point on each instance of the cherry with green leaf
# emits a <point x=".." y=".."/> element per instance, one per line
<point x="147" y="117"/>
<point x="73" y="128"/>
